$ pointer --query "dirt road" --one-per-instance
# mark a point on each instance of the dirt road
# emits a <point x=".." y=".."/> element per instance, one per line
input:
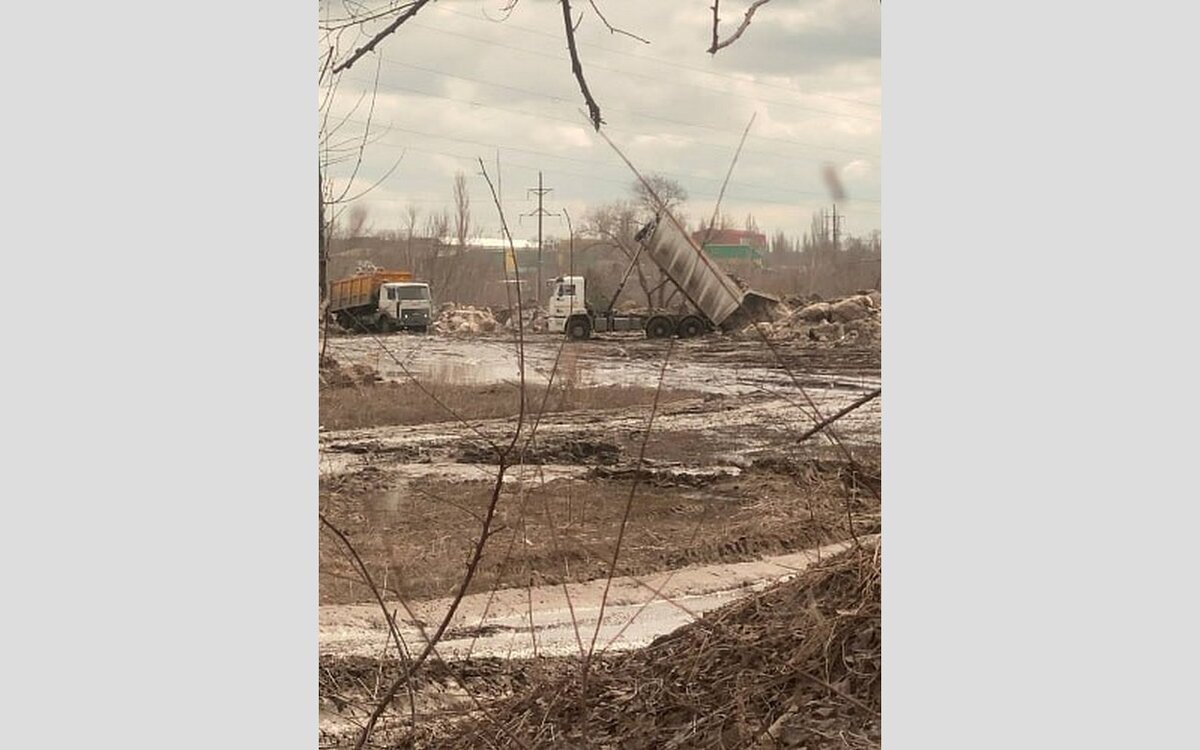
<point x="542" y="621"/>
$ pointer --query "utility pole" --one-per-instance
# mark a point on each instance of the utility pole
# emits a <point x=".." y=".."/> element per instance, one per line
<point x="833" y="225"/>
<point x="541" y="191"/>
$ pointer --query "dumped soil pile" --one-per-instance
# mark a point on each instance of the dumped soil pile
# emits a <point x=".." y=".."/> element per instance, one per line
<point x="852" y="320"/>
<point x="334" y="374"/>
<point x="470" y="320"/>
<point x="465" y="319"/>
<point x="795" y="666"/>
<point x="562" y="451"/>
<point x="665" y="475"/>
<point x="533" y="318"/>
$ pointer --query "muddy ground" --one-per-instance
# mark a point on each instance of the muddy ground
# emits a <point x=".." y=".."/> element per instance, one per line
<point x="717" y="482"/>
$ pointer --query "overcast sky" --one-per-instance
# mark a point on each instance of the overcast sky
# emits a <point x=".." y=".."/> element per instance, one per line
<point x="454" y="86"/>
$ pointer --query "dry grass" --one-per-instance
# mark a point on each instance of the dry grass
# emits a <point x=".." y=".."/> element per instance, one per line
<point x="798" y="665"/>
<point x="380" y="404"/>
<point x="564" y="532"/>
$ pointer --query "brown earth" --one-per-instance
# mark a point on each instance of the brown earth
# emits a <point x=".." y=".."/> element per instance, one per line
<point x="416" y="540"/>
<point x="722" y="480"/>
<point x="354" y="401"/>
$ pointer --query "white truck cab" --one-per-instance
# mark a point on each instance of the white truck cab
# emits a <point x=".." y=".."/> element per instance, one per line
<point x="407" y="304"/>
<point x="566" y="299"/>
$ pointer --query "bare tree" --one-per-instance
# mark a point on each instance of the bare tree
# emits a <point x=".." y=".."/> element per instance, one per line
<point x="462" y="210"/>
<point x="617" y="223"/>
<point x="670" y="192"/>
<point x="409" y="217"/>
<point x="437" y="225"/>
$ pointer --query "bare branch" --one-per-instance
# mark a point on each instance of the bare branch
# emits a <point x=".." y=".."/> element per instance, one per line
<point x="366" y="131"/>
<point x="577" y="67"/>
<point x="337" y="24"/>
<point x="716" y="22"/>
<point x="401" y="646"/>
<point x="615" y="30"/>
<point x="839" y="414"/>
<point x="506" y="11"/>
<point x="740" y="29"/>
<point x="375" y="40"/>
<point x="520" y="307"/>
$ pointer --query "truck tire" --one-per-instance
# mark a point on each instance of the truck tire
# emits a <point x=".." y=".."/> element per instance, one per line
<point x="659" y="327"/>
<point x="690" y="327"/>
<point x="385" y="324"/>
<point x="579" y="328"/>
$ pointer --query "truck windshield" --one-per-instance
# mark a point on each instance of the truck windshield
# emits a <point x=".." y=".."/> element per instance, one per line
<point x="408" y="292"/>
<point x="566" y="290"/>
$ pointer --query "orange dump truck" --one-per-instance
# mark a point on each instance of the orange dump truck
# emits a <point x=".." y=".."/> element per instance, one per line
<point x="382" y="301"/>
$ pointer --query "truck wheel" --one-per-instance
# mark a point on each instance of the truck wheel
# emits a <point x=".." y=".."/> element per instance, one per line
<point x="385" y="325"/>
<point x="579" y="329"/>
<point x="690" y="327"/>
<point x="659" y="327"/>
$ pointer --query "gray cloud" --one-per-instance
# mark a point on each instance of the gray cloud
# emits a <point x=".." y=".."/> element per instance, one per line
<point x="454" y="87"/>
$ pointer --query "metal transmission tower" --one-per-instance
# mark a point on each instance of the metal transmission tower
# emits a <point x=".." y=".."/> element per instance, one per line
<point x="834" y="222"/>
<point x="540" y="212"/>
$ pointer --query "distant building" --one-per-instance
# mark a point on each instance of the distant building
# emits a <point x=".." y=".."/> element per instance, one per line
<point x="733" y="245"/>
<point x="756" y="240"/>
<point x="492" y="243"/>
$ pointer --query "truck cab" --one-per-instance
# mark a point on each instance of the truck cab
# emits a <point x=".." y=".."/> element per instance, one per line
<point x="566" y="299"/>
<point x="406" y="305"/>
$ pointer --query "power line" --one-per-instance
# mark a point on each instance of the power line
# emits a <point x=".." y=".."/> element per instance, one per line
<point x="723" y="147"/>
<point x="473" y="159"/>
<point x="669" y="63"/>
<point x="433" y="71"/>
<point x="541" y="192"/>
<point x="593" y="65"/>
<point x="586" y="162"/>
<point x="392" y="87"/>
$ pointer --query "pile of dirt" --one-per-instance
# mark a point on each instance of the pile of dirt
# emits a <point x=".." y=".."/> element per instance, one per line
<point x="533" y="318"/>
<point x="851" y="320"/>
<point x="655" y="474"/>
<point x="464" y="319"/>
<point x="575" y="451"/>
<point x="334" y="374"/>
<point x="797" y="666"/>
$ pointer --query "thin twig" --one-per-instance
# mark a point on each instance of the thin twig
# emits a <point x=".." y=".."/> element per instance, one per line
<point x="717" y="207"/>
<point x="472" y="567"/>
<point x="401" y="647"/>
<point x="613" y="30"/>
<point x="612" y="568"/>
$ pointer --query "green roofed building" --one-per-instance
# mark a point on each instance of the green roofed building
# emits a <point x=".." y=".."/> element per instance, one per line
<point x="743" y="253"/>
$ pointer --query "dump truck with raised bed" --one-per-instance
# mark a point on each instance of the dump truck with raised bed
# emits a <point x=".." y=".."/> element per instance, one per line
<point x="715" y="301"/>
<point x="381" y="301"/>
